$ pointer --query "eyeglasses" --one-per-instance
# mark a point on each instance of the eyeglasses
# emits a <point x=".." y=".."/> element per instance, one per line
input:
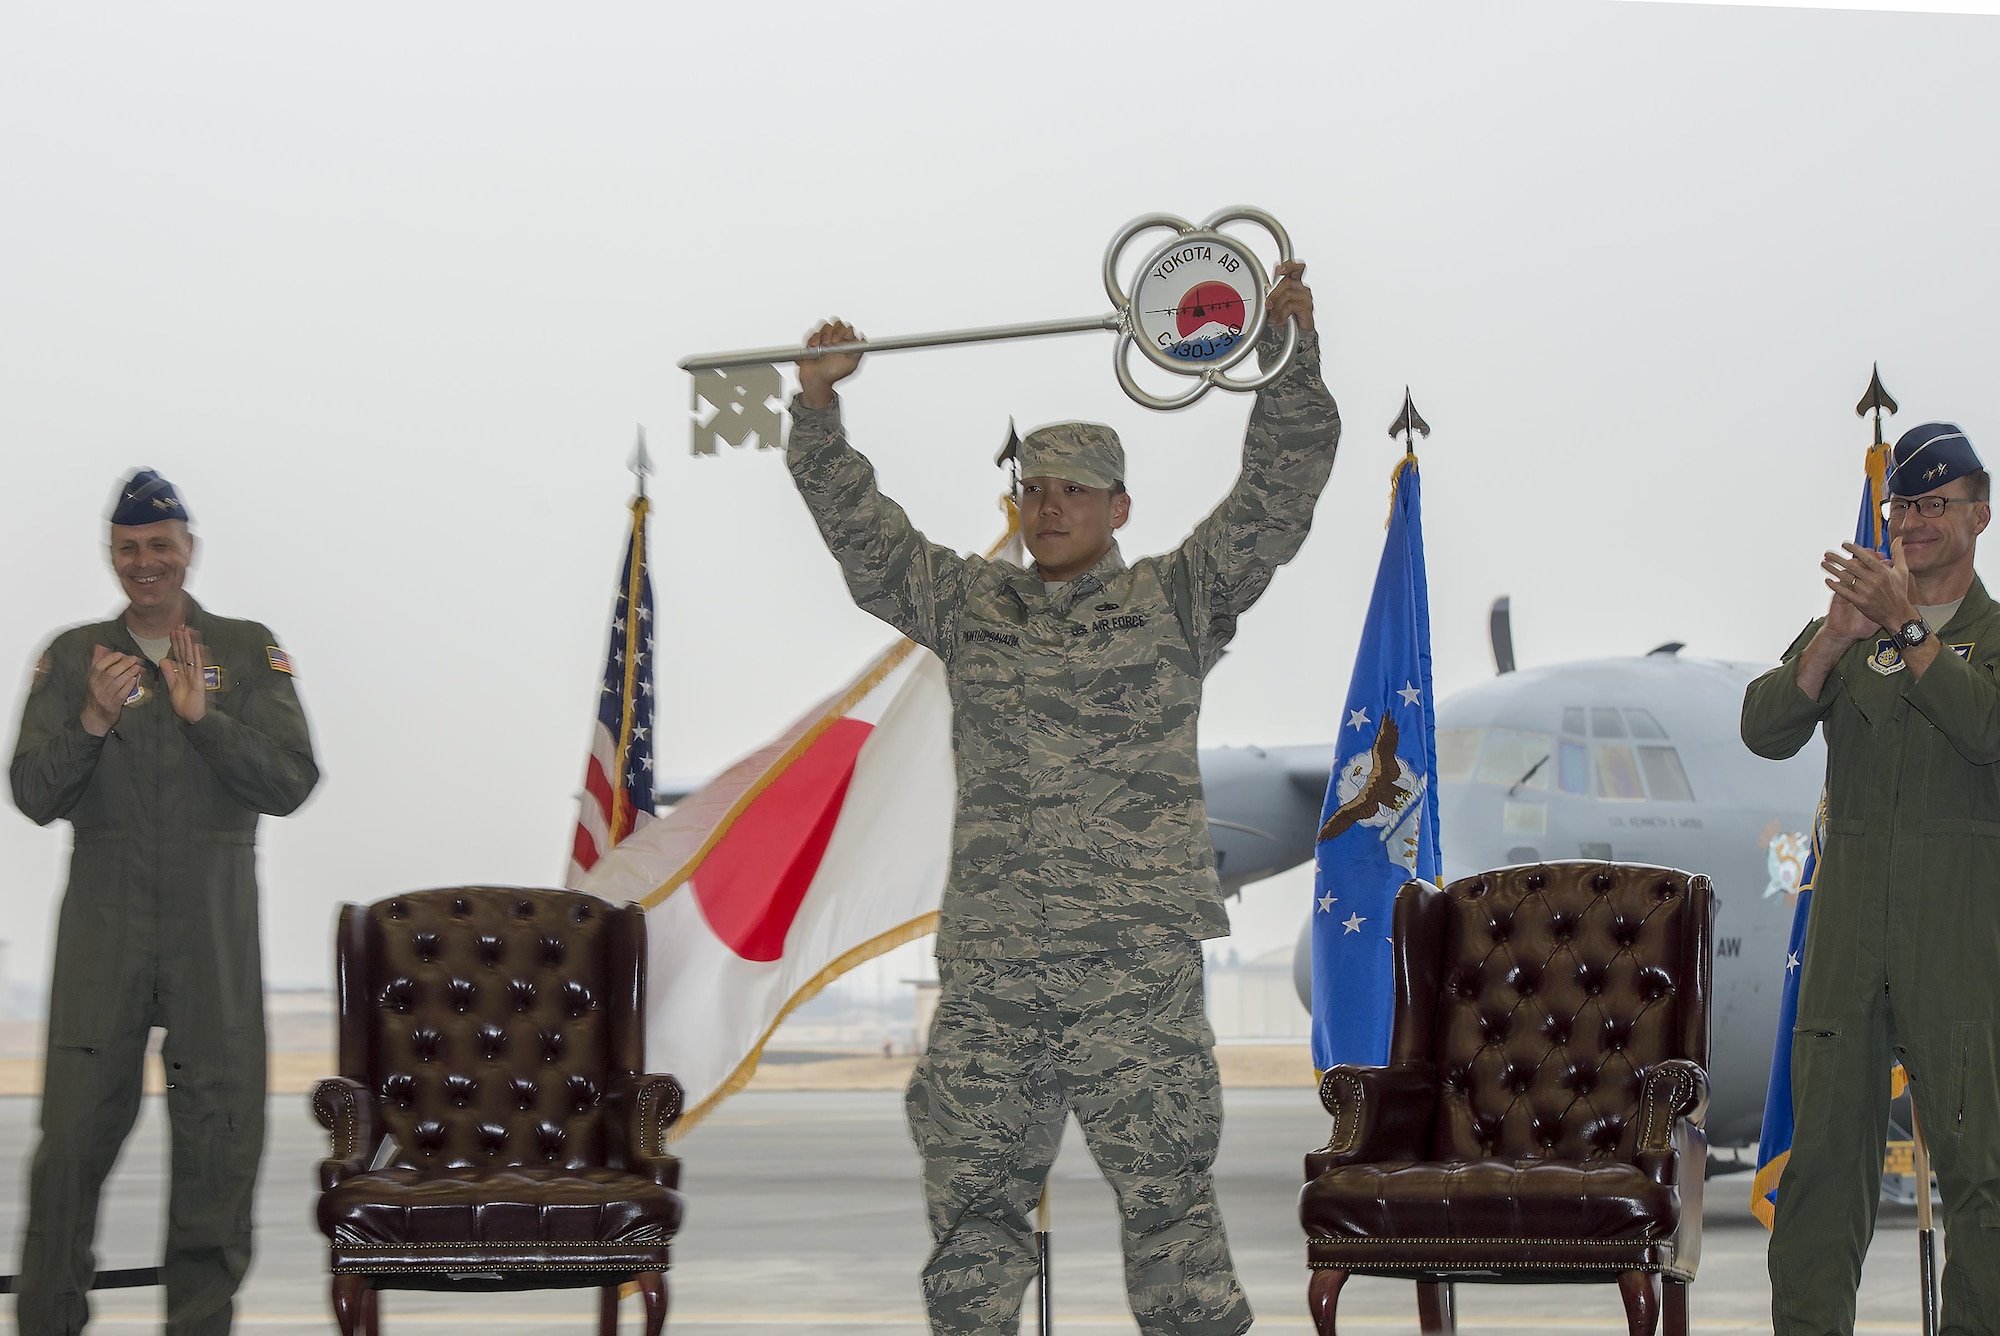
<point x="1930" y="507"/>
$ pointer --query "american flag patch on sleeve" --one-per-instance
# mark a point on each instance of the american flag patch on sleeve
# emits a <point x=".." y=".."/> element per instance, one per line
<point x="280" y="661"/>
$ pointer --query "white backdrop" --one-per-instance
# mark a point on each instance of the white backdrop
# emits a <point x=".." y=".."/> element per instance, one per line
<point x="384" y="289"/>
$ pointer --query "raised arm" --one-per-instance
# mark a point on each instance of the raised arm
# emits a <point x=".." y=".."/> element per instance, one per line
<point x="1779" y="714"/>
<point x="891" y="569"/>
<point x="261" y="749"/>
<point x="1228" y="561"/>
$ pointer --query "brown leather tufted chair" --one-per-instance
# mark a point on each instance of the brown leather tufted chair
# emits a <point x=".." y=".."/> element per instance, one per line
<point x="1540" y="1116"/>
<point x="491" y="1126"/>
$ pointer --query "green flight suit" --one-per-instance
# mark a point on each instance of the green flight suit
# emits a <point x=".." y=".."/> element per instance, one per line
<point x="1902" y="958"/>
<point x="158" y="927"/>
<point x="1082" y="876"/>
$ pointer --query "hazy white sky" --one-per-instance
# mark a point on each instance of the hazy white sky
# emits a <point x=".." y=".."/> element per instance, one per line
<point x="384" y="288"/>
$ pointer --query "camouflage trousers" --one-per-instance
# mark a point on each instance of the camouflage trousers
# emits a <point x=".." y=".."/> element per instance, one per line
<point x="1119" y="1039"/>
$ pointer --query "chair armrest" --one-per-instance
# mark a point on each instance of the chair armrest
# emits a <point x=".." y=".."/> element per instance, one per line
<point x="345" y="1108"/>
<point x="1672" y="1107"/>
<point x="638" y="1111"/>
<point x="1379" y="1113"/>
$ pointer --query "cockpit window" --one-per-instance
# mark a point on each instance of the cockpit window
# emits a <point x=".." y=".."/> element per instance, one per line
<point x="1618" y="774"/>
<point x="1605" y="723"/>
<point x="1513" y="758"/>
<point x="1643" y="725"/>
<point x="1573" y="720"/>
<point x="1664" y="775"/>
<point x="1573" y="766"/>
<point x="1458" y="750"/>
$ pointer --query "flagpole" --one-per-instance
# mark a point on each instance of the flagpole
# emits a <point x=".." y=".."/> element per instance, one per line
<point x="1877" y="400"/>
<point x="1042" y="1261"/>
<point x="622" y="819"/>
<point x="1920" y="1162"/>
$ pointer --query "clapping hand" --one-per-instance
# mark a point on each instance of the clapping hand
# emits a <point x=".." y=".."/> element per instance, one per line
<point x="187" y="687"/>
<point x="109" y="686"/>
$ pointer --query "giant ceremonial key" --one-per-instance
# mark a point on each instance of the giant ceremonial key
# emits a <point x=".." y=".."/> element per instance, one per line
<point x="1196" y="309"/>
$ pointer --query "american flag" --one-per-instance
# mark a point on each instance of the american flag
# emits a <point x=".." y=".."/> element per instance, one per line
<point x="618" y="780"/>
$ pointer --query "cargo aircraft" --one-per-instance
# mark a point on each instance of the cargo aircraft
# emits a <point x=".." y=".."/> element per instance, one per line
<point x="1634" y="759"/>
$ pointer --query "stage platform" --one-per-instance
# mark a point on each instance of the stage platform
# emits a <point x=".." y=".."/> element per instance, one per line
<point x="804" y="1215"/>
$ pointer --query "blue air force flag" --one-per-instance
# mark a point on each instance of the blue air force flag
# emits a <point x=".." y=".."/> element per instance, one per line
<point x="1380" y="817"/>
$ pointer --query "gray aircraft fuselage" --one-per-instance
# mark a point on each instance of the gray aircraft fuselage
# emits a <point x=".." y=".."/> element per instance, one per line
<point x="1637" y="760"/>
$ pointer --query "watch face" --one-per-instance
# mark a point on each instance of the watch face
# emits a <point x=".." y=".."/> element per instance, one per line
<point x="1198" y="302"/>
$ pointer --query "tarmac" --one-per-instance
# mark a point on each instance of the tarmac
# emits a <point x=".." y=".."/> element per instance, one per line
<point x="804" y="1215"/>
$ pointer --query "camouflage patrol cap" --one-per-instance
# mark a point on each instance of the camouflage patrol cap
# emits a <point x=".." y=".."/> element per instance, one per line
<point x="1080" y="452"/>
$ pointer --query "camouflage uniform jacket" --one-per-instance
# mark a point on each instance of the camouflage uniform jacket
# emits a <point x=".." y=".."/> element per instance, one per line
<point x="1080" y="825"/>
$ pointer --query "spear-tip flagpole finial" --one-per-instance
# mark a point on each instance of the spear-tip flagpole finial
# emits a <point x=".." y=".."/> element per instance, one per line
<point x="1409" y="424"/>
<point x="1876" y="400"/>
<point x="641" y="462"/>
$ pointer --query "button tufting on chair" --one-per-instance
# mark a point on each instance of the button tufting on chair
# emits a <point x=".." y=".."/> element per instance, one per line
<point x="1568" y="1146"/>
<point x="493" y="1040"/>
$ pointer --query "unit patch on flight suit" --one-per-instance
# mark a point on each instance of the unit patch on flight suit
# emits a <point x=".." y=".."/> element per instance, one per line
<point x="1888" y="659"/>
<point x="138" y="694"/>
<point x="212" y="678"/>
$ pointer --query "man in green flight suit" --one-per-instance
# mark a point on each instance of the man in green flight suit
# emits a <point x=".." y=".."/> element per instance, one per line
<point x="1082" y="879"/>
<point x="161" y="736"/>
<point x="1902" y="955"/>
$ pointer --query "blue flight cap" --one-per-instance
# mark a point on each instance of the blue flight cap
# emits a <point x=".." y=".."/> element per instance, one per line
<point x="1930" y="456"/>
<point x="147" y="498"/>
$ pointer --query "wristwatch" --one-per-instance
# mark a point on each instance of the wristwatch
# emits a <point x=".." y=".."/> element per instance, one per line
<point x="1913" y="633"/>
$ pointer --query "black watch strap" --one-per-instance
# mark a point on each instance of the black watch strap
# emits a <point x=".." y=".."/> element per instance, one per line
<point x="1913" y="633"/>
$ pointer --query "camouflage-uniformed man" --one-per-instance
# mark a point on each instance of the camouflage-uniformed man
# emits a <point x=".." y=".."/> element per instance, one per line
<point x="1903" y="673"/>
<point x="1082" y="877"/>
<point x="160" y="735"/>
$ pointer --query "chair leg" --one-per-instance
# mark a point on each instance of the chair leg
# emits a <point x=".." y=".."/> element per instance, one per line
<point x="1641" y="1292"/>
<point x="348" y="1298"/>
<point x="607" y="1310"/>
<point x="371" y="1311"/>
<point x="1437" y="1306"/>
<point x="1323" y="1297"/>
<point x="653" y="1286"/>
<point x="1676" y="1323"/>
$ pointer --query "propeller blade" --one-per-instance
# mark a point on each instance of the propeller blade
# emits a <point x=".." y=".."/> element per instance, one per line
<point x="1500" y="627"/>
